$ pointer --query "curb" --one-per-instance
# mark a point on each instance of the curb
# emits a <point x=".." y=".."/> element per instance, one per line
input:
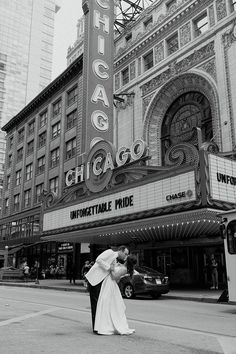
<point x="83" y="290"/>
<point x="38" y="286"/>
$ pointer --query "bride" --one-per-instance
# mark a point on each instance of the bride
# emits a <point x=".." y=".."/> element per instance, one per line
<point x="110" y="313"/>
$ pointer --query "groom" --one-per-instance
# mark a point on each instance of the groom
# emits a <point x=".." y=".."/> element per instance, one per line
<point x="99" y="271"/>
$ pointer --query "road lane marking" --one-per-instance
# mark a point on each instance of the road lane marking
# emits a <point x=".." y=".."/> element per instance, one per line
<point x="25" y="317"/>
<point x="183" y="329"/>
<point x="227" y="342"/>
<point x="148" y="323"/>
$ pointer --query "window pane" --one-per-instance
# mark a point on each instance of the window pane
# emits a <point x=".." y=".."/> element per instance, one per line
<point x="57" y="108"/>
<point x="71" y="120"/>
<point x="172" y="44"/>
<point x="70" y="148"/>
<point x="55" y="157"/>
<point x="42" y="139"/>
<point x="43" y="119"/>
<point x="148" y="61"/>
<point x="233" y="5"/>
<point x="201" y="25"/>
<point x="53" y="185"/>
<point x="125" y="76"/>
<point x="72" y="96"/>
<point x="31" y="127"/>
<point x="56" y="129"/>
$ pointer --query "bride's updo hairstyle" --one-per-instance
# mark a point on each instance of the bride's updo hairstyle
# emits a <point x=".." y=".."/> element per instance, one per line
<point x="130" y="263"/>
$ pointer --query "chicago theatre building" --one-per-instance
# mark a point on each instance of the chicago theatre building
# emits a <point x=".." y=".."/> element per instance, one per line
<point x="151" y="169"/>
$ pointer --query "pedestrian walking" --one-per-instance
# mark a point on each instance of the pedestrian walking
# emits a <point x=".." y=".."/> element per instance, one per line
<point x="99" y="271"/>
<point x="26" y="272"/>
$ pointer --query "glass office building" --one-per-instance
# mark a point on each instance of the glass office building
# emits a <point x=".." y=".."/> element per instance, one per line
<point x="26" y="49"/>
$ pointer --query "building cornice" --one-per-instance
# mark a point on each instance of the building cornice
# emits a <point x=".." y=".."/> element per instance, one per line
<point x="75" y="67"/>
<point x="160" y="28"/>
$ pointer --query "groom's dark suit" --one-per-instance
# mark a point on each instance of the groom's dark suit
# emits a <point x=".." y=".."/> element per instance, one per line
<point x="96" y="275"/>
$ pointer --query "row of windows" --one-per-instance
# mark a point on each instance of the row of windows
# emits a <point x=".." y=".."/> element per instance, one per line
<point x="43" y="117"/>
<point x="25" y="227"/>
<point x="40" y="168"/>
<point x="55" y="132"/>
<point x="171" y="5"/>
<point x="39" y="189"/>
<point x="198" y="26"/>
<point x="149" y="20"/>
<point x="56" y="129"/>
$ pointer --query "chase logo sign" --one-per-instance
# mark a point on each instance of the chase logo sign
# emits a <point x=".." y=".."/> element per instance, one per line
<point x="179" y="195"/>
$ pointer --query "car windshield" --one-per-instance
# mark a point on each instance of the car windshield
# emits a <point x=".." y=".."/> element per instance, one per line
<point x="146" y="270"/>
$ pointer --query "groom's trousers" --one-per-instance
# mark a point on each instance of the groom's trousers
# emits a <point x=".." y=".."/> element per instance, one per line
<point x="94" y="292"/>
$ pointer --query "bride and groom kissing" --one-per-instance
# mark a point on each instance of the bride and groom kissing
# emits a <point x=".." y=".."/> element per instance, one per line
<point x="107" y="304"/>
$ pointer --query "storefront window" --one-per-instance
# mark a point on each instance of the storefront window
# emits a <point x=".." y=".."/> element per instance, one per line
<point x="180" y="268"/>
<point x="20" y="228"/>
<point x="36" y="227"/>
<point x="53" y="247"/>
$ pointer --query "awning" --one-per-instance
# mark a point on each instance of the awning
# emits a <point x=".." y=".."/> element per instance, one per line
<point x="15" y="249"/>
<point x="179" y="226"/>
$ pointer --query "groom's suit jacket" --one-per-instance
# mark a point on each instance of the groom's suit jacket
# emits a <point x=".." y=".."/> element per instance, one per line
<point x="101" y="267"/>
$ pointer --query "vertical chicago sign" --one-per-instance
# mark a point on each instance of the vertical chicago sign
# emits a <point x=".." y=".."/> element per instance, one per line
<point x="98" y="72"/>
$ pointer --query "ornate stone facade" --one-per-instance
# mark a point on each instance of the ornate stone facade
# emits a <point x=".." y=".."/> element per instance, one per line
<point x="159" y="52"/>
<point x="132" y="70"/>
<point x="185" y="34"/>
<point x="228" y="38"/>
<point x="190" y="82"/>
<point x="221" y="9"/>
<point x="176" y="68"/>
<point x="210" y="68"/>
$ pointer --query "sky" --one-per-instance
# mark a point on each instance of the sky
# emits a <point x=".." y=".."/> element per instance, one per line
<point x="65" y="32"/>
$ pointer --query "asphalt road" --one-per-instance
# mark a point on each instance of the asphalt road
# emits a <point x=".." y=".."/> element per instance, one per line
<point x="49" y="321"/>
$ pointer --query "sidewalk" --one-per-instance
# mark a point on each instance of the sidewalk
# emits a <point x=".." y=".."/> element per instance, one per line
<point x="210" y="296"/>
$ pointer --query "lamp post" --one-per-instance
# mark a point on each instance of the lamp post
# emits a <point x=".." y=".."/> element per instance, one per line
<point x="6" y="257"/>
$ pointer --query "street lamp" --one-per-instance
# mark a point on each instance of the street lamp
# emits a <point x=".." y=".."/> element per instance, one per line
<point x="6" y="257"/>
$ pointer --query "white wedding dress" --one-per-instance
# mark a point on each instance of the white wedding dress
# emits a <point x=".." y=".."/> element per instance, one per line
<point x="110" y="314"/>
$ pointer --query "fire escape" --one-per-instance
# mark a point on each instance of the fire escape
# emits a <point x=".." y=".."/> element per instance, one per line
<point x="127" y="11"/>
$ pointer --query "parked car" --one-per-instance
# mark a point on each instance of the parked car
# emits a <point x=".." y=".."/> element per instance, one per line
<point x="144" y="281"/>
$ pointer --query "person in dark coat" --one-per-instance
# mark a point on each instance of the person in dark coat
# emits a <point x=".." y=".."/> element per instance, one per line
<point x="72" y="273"/>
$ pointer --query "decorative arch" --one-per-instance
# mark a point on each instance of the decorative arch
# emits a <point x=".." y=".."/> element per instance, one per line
<point x="161" y="102"/>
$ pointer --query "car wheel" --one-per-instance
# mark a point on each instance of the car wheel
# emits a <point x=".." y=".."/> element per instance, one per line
<point x="128" y="291"/>
<point x="155" y="295"/>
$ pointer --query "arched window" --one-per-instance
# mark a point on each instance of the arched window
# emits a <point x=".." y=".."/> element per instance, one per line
<point x="188" y="111"/>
